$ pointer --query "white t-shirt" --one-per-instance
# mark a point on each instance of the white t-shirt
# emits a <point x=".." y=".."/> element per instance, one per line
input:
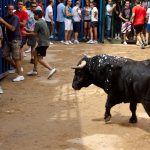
<point x="93" y="11"/>
<point x="109" y="9"/>
<point x="49" y="9"/>
<point x="76" y="11"/>
<point x="148" y="14"/>
<point x="31" y="21"/>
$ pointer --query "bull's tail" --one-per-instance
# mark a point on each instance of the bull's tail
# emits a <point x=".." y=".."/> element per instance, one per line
<point x="146" y="105"/>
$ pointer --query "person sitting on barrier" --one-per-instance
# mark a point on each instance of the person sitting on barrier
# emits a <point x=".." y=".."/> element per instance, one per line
<point x="125" y="15"/>
<point x="12" y="52"/>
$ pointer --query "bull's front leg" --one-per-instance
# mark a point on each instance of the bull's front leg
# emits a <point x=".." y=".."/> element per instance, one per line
<point x="109" y="104"/>
<point x="133" y="118"/>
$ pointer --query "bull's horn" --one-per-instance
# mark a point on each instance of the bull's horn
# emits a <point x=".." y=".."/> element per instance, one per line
<point x="83" y="64"/>
<point x="86" y="55"/>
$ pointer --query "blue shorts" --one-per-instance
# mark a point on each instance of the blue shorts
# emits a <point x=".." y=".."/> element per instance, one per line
<point x="148" y="28"/>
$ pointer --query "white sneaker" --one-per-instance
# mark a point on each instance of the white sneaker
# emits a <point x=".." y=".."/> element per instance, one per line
<point x="125" y="43"/>
<point x="116" y="37"/>
<point x="51" y="43"/>
<point x="12" y="71"/>
<point x="1" y="90"/>
<point x="66" y="43"/>
<point x="28" y="50"/>
<point x="70" y="42"/>
<point x="18" y="78"/>
<point x="119" y="38"/>
<point x="62" y="41"/>
<point x="76" y="42"/>
<point x="32" y="73"/>
<point x="51" y="72"/>
<point x="89" y="41"/>
<point x="95" y="42"/>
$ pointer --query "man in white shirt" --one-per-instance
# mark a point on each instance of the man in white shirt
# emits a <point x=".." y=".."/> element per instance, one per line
<point x="49" y="17"/>
<point x="76" y="11"/>
<point x="93" y="24"/>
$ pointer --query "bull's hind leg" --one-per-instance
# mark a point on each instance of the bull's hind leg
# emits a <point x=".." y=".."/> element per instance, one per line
<point x="133" y="118"/>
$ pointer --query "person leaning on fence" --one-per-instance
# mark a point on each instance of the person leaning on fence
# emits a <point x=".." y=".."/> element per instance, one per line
<point x="125" y="15"/>
<point x="60" y="21"/>
<point x="93" y="24"/>
<point x="109" y="10"/>
<point x="68" y="22"/>
<point x="12" y="51"/>
<point x="40" y="31"/>
<point x="76" y="11"/>
<point x="138" y="19"/>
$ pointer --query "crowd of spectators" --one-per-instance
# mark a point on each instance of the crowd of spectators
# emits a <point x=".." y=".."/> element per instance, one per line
<point x="24" y="25"/>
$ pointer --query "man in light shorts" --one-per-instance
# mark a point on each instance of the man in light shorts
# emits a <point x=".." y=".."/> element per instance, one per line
<point x="68" y="23"/>
<point x="12" y="52"/>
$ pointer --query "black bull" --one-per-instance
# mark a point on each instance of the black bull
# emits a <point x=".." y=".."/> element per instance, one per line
<point x="123" y="79"/>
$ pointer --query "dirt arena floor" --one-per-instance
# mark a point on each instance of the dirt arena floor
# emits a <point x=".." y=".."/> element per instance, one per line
<point x="41" y="114"/>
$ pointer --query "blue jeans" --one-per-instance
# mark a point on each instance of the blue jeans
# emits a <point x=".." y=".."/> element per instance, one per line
<point x="61" y="31"/>
<point x="108" y="25"/>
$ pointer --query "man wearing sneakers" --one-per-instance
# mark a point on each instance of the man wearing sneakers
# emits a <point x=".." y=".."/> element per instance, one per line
<point x="138" y="19"/>
<point x="12" y="52"/>
<point x="93" y="24"/>
<point x="68" y="23"/>
<point x="42" y="32"/>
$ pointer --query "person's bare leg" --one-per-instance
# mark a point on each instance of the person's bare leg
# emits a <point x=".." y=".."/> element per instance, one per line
<point x="76" y="36"/>
<point x="85" y="29"/>
<point x="10" y="61"/>
<point x="147" y="36"/>
<point x="69" y="35"/>
<point x="35" y="60"/>
<point x="18" y="66"/>
<point x="32" y="51"/>
<point x="88" y="29"/>
<point x="95" y="33"/>
<point x="43" y="62"/>
<point x="66" y="35"/>
<point x="91" y="33"/>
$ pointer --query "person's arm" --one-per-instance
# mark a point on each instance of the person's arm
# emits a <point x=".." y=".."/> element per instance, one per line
<point x="110" y="9"/>
<point x="67" y="13"/>
<point x="120" y="16"/>
<point x="31" y="33"/>
<point x="133" y="15"/>
<point x="95" y="14"/>
<point x="7" y="25"/>
<point x="25" y="19"/>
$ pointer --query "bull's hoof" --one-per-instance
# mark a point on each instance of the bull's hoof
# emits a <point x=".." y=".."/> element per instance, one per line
<point x="107" y="117"/>
<point x="133" y="120"/>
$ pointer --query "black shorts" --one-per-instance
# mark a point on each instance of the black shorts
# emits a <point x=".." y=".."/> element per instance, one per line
<point x="76" y="27"/>
<point x="41" y="50"/>
<point x="23" y="41"/>
<point x="31" y="41"/>
<point x="139" y="28"/>
<point x="87" y="20"/>
<point x="94" y="24"/>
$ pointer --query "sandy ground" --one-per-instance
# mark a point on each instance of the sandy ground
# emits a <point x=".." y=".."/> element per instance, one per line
<point x="41" y="114"/>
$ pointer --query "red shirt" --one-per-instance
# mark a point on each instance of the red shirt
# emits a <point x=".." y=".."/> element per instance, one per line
<point x="22" y="16"/>
<point x="140" y="14"/>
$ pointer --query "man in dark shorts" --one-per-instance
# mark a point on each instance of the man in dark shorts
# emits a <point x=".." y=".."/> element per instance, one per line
<point x="138" y="19"/>
<point x="12" y="52"/>
<point x="42" y="32"/>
